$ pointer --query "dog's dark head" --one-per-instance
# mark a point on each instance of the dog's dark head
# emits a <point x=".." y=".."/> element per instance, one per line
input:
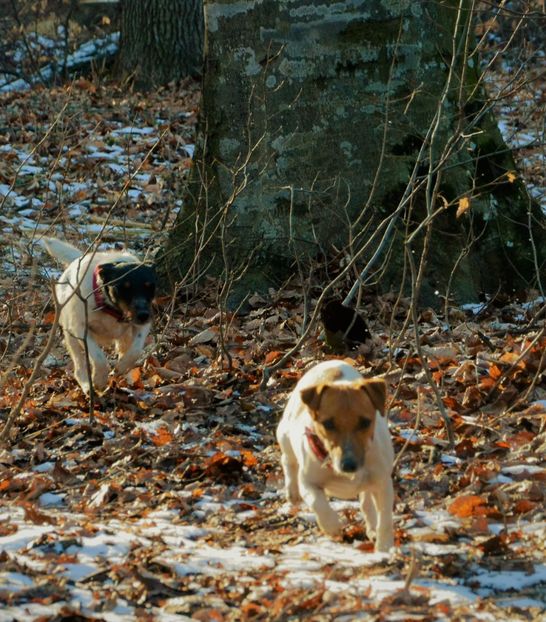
<point x="130" y="287"/>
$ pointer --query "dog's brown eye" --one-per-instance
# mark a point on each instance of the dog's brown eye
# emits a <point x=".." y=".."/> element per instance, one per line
<point x="329" y="424"/>
<point x="126" y="284"/>
<point x="363" y="424"/>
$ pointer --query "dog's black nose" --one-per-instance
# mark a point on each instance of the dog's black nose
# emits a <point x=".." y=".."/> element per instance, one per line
<point x="142" y="317"/>
<point x="348" y="465"/>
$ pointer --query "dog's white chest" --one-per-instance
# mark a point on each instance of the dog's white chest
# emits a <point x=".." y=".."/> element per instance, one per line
<point x="106" y="329"/>
<point x="346" y="487"/>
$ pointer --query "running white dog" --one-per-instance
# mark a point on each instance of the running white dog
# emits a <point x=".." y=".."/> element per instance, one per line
<point x="105" y="299"/>
<point x="335" y="441"/>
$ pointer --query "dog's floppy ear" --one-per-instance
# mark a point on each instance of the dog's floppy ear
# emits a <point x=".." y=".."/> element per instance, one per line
<point x="311" y="396"/>
<point x="107" y="272"/>
<point x="376" y="388"/>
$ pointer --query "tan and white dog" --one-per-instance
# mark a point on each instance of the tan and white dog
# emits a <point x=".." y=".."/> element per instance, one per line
<point x="335" y="441"/>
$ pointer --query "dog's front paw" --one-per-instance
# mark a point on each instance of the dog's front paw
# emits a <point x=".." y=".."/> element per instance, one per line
<point x="85" y="387"/>
<point x="384" y="543"/>
<point x="125" y="365"/>
<point x="100" y="379"/>
<point x="293" y="498"/>
<point x="370" y="531"/>
<point x="292" y="493"/>
<point x="331" y="525"/>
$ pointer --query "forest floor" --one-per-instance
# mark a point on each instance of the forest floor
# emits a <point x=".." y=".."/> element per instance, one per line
<point x="166" y="505"/>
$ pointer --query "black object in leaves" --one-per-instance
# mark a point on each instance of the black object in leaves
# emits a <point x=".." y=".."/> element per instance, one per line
<point x="343" y="323"/>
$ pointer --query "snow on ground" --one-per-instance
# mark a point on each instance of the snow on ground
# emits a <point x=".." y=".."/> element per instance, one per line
<point x="87" y="52"/>
<point x="77" y="551"/>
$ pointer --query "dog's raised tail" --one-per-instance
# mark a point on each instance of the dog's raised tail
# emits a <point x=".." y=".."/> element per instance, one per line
<point x="62" y="251"/>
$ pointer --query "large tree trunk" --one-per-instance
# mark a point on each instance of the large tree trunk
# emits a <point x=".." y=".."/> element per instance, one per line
<point x="338" y="125"/>
<point x="161" y="40"/>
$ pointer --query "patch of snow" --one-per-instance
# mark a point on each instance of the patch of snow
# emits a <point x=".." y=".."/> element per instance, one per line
<point x="49" y="499"/>
<point x="500" y="479"/>
<point x="522" y="469"/>
<point x="206" y="559"/>
<point x="136" y="131"/>
<point x="447" y="459"/>
<point x="473" y="307"/>
<point x="78" y="572"/>
<point x="111" y="546"/>
<point x="507" y="580"/>
<point x="533" y="303"/>
<point x="322" y="550"/>
<point x="29" y="169"/>
<point x="440" y="520"/>
<point x="24" y="537"/>
<point x="75" y="421"/>
<point x="437" y="550"/>
<point x="118" y="169"/>
<point x="15" y="582"/>
<point x="45" y="467"/>
<point x="77" y="209"/>
<point x="521" y="603"/>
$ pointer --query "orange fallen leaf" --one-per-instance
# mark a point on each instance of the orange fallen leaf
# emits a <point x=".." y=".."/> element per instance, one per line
<point x="524" y="505"/>
<point x="511" y="357"/>
<point x="133" y="376"/>
<point x="250" y="610"/>
<point x="249" y="459"/>
<point x="207" y="614"/>
<point x="162" y="436"/>
<point x="451" y="402"/>
<point x="36" y="516"/>
<point x="49" y="318"/>
<point x="480" y="525"/>
<point x="523" y="437"/>
<point x="272" y="356"/>
<point x="495" y="372"/>
<point x="467" y="505"/>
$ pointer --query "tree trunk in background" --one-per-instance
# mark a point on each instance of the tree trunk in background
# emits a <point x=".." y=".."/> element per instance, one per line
<point x="161" y="40"/>
<point x="320" y="120"/>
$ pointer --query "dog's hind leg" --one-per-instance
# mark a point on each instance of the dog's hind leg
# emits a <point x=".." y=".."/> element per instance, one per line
<point x="97" y="360"/>
<point x="370" y="515"/>
<point x="77" y="354"/>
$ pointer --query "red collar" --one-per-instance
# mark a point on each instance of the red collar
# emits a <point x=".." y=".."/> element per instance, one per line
<point x="101" y="304"/>
<point x="316" y="445"/>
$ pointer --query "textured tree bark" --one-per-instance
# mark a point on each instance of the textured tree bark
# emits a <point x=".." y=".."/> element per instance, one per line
<point x="161" y="40"/>
<point x="324" y="121"/>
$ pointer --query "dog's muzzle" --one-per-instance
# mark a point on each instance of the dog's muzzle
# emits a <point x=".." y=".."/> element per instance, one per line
<point x="348" y="464"/>
<point x="141" y="312"/>
<point x="142" y="317"/>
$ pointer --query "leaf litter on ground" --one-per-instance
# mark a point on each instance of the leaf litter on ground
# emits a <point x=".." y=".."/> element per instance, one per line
<point x="167" y="505"/>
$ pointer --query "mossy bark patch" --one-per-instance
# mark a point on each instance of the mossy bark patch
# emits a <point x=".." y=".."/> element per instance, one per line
<point x="313" y="117"/>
